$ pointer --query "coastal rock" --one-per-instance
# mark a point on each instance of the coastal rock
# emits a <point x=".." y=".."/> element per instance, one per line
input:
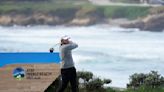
<point x="21" y="20"/>
<point x="154" y="22"/>
<point x="72" y="16"/>
<point x="86" y="17"/>
<point x="83" y="21"/>
<point x="79" y="17"/>
<point x="5" y="20"/>
<point x="133" y="24"/>
<point x="32" y="19"/>
<point x="151" y="23"/>
<point x="42" y="19"/>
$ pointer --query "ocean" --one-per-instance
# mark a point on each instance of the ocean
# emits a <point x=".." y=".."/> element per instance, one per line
<point x="108" y="52"/>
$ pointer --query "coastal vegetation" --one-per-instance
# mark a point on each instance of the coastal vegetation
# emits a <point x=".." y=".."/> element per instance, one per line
<point x="79" y="13"/>
<point x="139" y="82"/>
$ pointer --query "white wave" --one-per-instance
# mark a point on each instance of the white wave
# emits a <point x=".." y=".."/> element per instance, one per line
<point x="80" y="58"/>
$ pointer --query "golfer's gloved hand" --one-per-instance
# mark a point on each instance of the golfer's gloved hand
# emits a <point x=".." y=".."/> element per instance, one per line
<point x="51" y="50"/>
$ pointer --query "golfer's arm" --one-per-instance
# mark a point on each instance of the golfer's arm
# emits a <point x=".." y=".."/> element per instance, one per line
<point x="71" y="46"/>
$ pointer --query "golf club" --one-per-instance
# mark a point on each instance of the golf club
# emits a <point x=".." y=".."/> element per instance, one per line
<point x="52" y="48"/>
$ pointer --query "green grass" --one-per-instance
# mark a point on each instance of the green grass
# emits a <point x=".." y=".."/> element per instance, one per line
<point x="130" y="12"/>
<point x="39" y="6"/>
<point x="35" y="6"/>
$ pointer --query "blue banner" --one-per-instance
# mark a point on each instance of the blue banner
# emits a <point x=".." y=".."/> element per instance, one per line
<point x="28" y="58"/>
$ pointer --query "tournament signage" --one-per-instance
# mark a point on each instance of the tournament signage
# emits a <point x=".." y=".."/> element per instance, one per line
<point x="28" y="72"/>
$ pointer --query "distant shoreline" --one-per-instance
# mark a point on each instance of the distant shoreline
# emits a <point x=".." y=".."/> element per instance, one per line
<point x="144" y="18"/>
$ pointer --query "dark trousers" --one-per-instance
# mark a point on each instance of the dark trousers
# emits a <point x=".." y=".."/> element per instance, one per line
<point x="69" y="75"/>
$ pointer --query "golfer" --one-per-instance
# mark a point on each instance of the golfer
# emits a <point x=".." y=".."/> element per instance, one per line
<point x="68" y="70"/>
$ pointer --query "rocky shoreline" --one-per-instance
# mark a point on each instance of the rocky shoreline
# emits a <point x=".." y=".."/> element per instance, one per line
<point x="77" y="17"/>
<point x="70" y="16"/>
<point x="150" y="23"/>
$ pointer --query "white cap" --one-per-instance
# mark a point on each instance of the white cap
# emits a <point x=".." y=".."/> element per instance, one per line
<point x="65" y="37"/>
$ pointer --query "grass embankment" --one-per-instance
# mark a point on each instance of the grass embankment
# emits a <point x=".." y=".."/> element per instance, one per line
<point x="33" y="6"/>
<point x="45" y="5"/>
<point x="130" y="12"/>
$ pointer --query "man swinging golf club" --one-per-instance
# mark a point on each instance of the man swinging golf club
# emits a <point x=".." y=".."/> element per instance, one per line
<point x="68" y="70"/>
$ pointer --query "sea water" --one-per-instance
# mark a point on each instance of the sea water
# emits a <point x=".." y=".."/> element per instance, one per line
<point x="108" y="52"/>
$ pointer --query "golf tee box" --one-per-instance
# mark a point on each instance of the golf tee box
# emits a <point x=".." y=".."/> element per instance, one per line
<point x="28" y="72"/>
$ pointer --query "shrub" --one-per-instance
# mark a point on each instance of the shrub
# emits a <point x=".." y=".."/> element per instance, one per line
<point x="152" y="79"/>
<point x="96" y="83"/>
<point x="86" y="76"/>
<point x="91" y="83"/>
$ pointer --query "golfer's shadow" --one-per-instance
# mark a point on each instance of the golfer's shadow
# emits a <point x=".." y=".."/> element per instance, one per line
<point x="54" y="87"/>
